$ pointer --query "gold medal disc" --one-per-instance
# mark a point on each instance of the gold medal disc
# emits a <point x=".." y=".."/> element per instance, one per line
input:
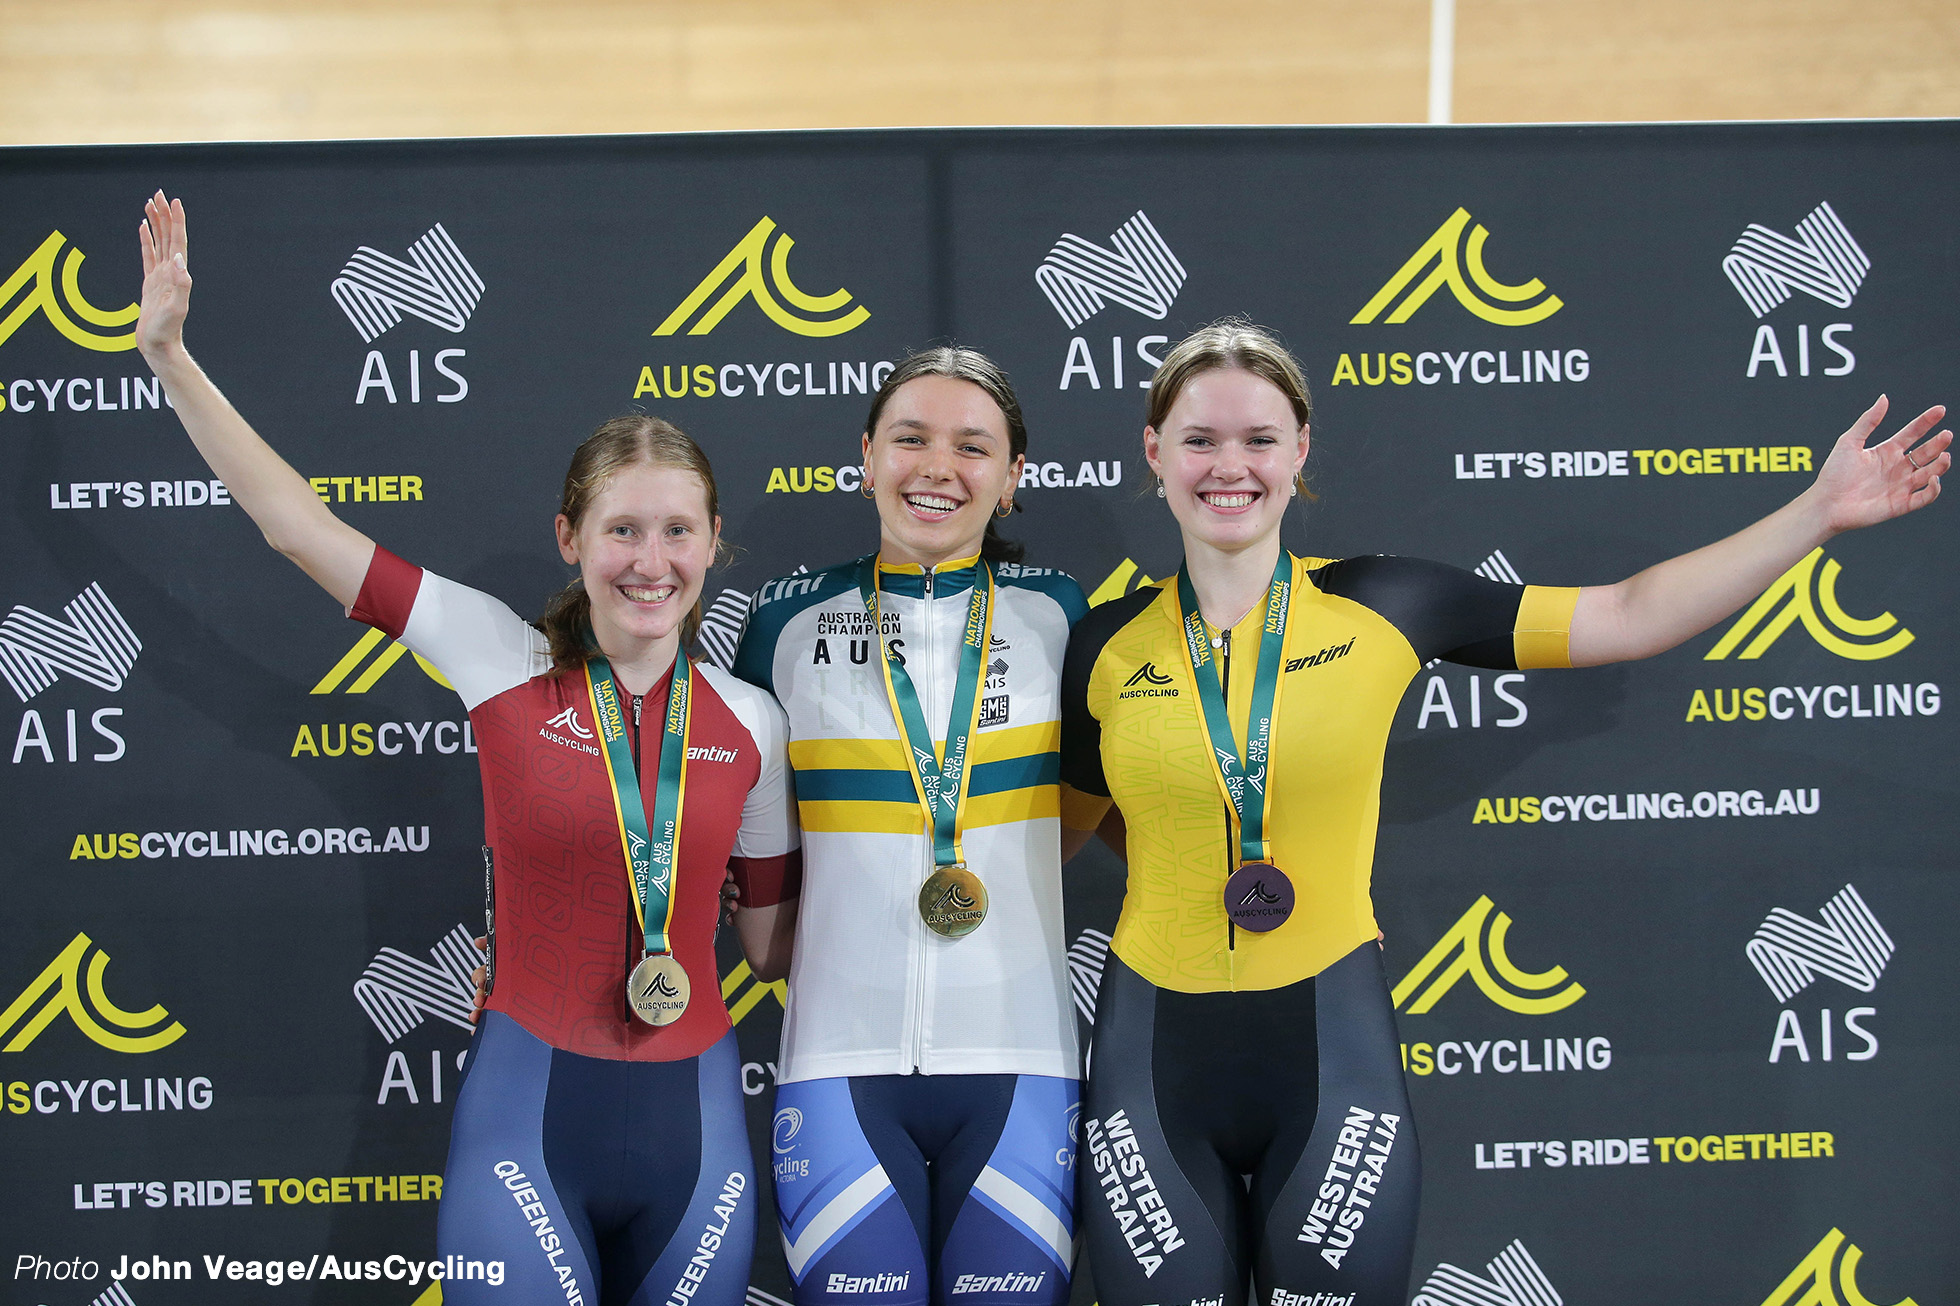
<point x="657" y="990"/>
<point x="953" y="902"/>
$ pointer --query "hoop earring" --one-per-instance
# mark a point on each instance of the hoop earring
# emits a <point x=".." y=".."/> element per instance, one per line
<point x="1006" y="507"/>
<point x="865" y="489"/>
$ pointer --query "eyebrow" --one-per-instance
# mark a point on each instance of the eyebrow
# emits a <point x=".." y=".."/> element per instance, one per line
<point x="969" y="432"/>
<point x="1197" y="429"/>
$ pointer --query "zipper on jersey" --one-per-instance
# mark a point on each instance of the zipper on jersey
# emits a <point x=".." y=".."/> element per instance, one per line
<point x="1231" y="859"/>
<point x="636" y="700"/>
<point x="921" y="987"/>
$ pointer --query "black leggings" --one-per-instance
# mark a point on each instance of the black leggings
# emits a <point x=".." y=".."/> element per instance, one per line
<point x="1297" y="1089"/>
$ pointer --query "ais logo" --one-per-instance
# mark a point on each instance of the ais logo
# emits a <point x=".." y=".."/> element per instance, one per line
<point x="1445" y="257"/>
<point x="747" y="274"/>
<point x="1846" y="943"/>
<point x="436" y="284"/>
<point x="1807" y="593"/>
<point x="1823" y="261"/>
<point x="361" y="684"/>
<point x="1137" y="270"/>
<point x="1826" y="1277"/>
<point x="1475" y="946"/>
<point x="62" y="302"/>
<point x="90" y="641"/>
<point x="67" y="986"/>
<point x="1515" y="1280"/>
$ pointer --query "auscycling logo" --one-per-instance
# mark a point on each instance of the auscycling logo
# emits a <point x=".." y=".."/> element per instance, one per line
<point x="1475" y="947"/>
<point x="757" y="268"/>
<point x="58" y="297"/>
<point x="1807" y="593"/>
<point x="1828" y="1276"/>
<point x="1443" y="260"/>
<point x="72" y="985"/>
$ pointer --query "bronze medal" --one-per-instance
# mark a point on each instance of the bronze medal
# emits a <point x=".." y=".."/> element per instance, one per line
<point x="1258" y="897"/>
<point x="953" y="902"/>
<point x="657" y="990"/>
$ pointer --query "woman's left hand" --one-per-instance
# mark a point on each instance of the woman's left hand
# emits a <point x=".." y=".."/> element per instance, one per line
<point x="1862" y="485"/>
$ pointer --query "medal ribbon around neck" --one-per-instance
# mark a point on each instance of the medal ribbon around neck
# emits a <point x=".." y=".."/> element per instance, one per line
<point x="650" y="860"/>
<point x="939" y="782"/>
<point x="1236" y="773"/>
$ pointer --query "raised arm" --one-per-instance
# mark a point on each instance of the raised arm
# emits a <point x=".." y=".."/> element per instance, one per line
<point x="277" y="498"/>
<point x="1672" y="601"/>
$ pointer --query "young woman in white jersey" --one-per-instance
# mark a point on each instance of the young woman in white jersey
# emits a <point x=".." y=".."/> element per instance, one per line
<point x="924" y="1138"/>
<point x="601" y="1109"/>
<point x="1246" y="1054"/>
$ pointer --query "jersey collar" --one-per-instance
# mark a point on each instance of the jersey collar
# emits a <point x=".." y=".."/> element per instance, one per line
<point x="908" y="579"/>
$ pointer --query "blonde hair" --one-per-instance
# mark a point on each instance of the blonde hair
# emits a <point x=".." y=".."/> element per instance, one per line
<point x="634" y="440"/>
<point x="1232" y="342"/>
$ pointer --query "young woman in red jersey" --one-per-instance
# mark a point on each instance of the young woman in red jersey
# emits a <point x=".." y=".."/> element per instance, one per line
<point x="599" y="1130"/>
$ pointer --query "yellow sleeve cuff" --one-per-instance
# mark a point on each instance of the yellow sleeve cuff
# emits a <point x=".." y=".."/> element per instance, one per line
<point x="1082" y="811"/>
<point x="1543" y="637"/>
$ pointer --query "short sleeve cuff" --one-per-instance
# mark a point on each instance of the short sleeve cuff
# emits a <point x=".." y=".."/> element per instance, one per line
<point x="1083" y="811"/>
<point x="1543" y="637"/>
<point x="387" y="593"/>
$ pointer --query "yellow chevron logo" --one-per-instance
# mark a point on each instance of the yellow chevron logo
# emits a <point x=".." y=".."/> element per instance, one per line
<point x="746" y="276"/>
<point x="1823" y="1279"/>
<point x="1808" y="593"/>
<point x="64" y="988"/>
<point x="1451" y="255"/>
<point x="57" y="298"/>
<point x="752" y="991"/>
<point x="361" y="684"/>
<point x="1126" y="578"/>
<point x="1474" y="946"/>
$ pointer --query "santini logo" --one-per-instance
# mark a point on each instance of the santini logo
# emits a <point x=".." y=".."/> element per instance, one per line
<point x="45" y="295"/>
<point x="65" y="989"/>
<point x="1468" y="948"/>
<point x="1808" y="593"/>
<point x="743" y="272"/>
<point x="1823" y="1279"/>
<point x="1766" y="266"/>
<point x="361" y="684"/>
<point x="1147" y="674"/>
<point x="1850" y="946"/>
<point x="1452" y="256"/>
<point x="1515" y="1280"/>
<point x="437" y="284"/>
<point x="1137" y="271"/>
<point x="397" y="990"/>
<point x="94" y="644"/>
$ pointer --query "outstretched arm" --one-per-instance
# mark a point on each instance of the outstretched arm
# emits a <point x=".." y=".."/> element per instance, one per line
<point x="1672" y="601"/>
<point x="277" y="498"/>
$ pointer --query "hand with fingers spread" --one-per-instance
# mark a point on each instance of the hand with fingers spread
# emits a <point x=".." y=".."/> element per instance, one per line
<point x="1863" y="484"/>
<point x="165" y="247"/>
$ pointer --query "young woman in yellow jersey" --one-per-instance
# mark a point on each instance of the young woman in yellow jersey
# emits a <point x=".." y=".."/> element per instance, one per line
<point x="1236" y="717"/>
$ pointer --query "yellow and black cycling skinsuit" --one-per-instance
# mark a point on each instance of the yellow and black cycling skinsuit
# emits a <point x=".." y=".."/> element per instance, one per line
<point x="1221" y="1053"/>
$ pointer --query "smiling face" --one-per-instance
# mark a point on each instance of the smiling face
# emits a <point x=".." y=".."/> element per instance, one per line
<point x="643" y="547"/>
<point x="939" y="464"/>
<point x="1227" y="452"/>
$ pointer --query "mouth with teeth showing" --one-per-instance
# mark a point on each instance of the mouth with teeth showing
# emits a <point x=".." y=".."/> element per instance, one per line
<point x="649" y="595"/>
<point x="1228" y="501"/>
<point x="932" y="507"/>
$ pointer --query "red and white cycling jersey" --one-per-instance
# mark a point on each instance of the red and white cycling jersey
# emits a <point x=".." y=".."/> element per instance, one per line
<point x="567" y="932"/>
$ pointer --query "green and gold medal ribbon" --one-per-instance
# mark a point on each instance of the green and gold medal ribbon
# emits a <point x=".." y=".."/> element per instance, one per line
<point x="651" y="855"/>
<point x="939" y="780"/>
<point x="1238" y="771"/>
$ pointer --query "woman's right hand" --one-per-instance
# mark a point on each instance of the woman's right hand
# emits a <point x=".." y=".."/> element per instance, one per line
<point x="166" y="278"/>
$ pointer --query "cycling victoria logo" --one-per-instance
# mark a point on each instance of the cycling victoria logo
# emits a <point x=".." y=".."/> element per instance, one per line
<point x="1135" y="270"/>
<point x="48" y="285"/>
<point x="1477" y="947"/>
<point x="1806" y="598"/>
<point x="1824" y="263"/>
<point x="436" y="285"/>
<point x="89" y="642"/>
<point x="753" y="280"/>
<point x="1453" y="257"/>
<point x="1845" y="943"/>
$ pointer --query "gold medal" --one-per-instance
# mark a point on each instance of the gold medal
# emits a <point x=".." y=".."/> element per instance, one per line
<point x="657" y="990"/>
<point x="953" y="902"/>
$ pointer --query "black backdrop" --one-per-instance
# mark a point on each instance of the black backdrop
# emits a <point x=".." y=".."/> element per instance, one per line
<point x="1668" y="936"/>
